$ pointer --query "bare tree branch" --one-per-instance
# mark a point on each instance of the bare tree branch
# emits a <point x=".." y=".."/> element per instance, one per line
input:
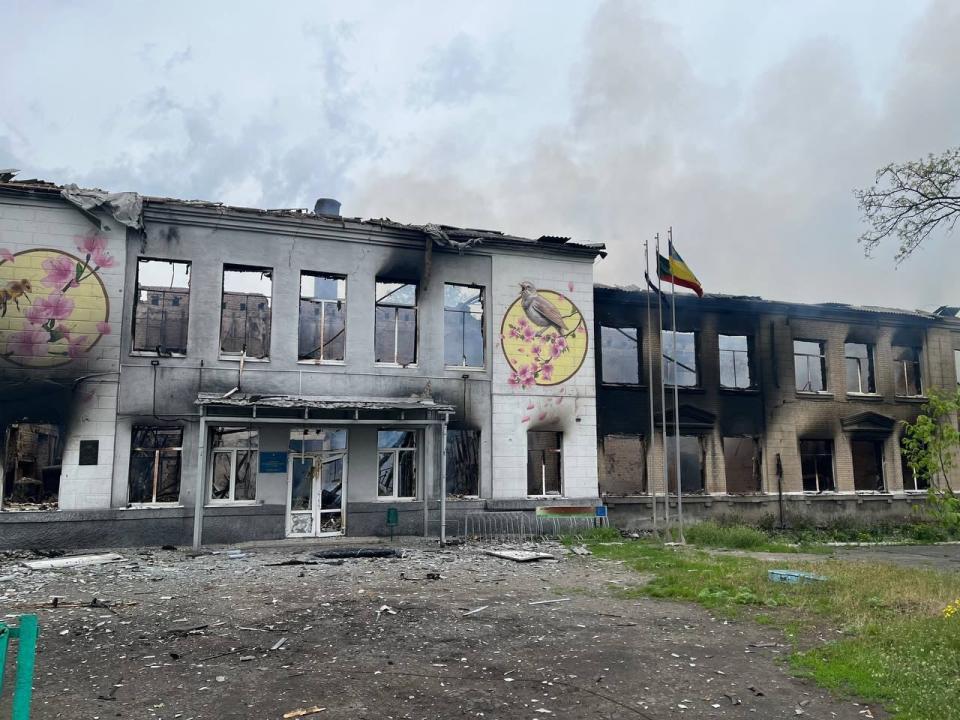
<point x="910" y="201"/>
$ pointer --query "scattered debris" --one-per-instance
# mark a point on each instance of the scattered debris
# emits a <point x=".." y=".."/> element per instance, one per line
<point x="547" y="602"/>
<point x="580" y="550"/>
<point x="278" y="644"/>
<point x="73" y="561"/>
<point x="303" y="712"/>
<point x="385" y="609"/>
<point x="756" y="691"/>
<point x="475" y="610"/>
<point x="793" y="576"/>
<point x="520" y="555"/>
<point x="350" y="553"/>
<point x="293" y="561"/>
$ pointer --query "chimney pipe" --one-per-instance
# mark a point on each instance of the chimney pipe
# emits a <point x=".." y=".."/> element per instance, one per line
<point x="328" y="207"/>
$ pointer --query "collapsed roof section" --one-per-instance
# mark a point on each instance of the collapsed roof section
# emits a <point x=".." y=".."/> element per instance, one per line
<point x="130" y="208"/>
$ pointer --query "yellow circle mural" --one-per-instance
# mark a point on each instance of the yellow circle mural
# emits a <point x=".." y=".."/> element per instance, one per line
<point x="544" y="338"/>
<point x="53" y="305"/>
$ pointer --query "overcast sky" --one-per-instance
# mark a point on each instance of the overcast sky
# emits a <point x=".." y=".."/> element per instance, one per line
<point x="744" y="124"/>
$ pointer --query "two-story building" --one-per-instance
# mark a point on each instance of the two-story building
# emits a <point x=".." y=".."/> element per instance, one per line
<point x="784" y="407"/>
<point x="224" y="374"/>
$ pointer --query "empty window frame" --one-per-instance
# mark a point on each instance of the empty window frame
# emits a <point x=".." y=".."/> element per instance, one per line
<point x="155" y="461"/>
<point x="161" y="309"/>
<point x="463" y="344"/>
<point x="906" y="371"/>
<point x="912" y="481"/>
<point x="867" y="456"/>
<point x="816" y="465"/>
<point x="683" y="368"/>
<point x="692" y="461"/>
<point x="544" y="463"/>
<point x="395" y="329"/>
<point x="859" y="363"/>
<point x="31" y="458"/>
<point x="397" y="455"/>
<point x="323" y="317"/>
<point x="623" y="466"/>
<point x="245" y="311"/>
<point x="463" y="462"/>
<point x="810" y="365"/>
<point x="735" y="362"/>
<point x="619" y="356"/>
<point x="234" y="464"/>
<point x="741" y="459"/>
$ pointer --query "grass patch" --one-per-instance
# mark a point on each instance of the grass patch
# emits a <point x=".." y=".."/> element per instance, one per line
<point x="743" y="537"/>
<point x="894" y="644"/>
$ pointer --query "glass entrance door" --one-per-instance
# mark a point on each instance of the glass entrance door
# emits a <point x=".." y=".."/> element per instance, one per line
<point x="316" y="495"/>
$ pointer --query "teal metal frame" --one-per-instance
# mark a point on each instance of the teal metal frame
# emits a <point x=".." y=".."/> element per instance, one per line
<point x="25" y="634"/>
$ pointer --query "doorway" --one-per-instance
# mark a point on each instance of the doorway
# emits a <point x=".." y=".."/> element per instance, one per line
<point x="317" y="471"/>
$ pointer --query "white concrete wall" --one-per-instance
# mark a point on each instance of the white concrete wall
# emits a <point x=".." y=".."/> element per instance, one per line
<point x="34" y="230"/>
<point x="568" y="407"/>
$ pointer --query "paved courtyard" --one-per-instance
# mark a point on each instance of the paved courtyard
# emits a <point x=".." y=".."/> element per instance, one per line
<point x="217" y="636"/>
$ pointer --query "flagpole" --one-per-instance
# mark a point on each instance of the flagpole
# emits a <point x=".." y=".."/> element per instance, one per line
<point x="663" y="401"/>
<point x="651" y="486"/>
<point x="676" y="391"/>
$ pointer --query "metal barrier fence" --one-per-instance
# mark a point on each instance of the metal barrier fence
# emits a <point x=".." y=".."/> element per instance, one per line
<point x="488" y="526"/>
<point x="26" y="636"/>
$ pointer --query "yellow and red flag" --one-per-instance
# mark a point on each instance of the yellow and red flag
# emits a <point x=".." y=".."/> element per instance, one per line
<point x="675" y="270"/>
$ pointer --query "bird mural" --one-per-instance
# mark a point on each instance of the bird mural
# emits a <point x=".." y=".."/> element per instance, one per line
<point x="540" y="311"/>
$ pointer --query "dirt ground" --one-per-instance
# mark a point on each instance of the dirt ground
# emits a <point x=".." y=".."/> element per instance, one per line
<point x="192" y="637"/>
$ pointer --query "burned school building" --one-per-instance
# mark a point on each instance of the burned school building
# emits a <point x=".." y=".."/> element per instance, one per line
<point x="181" y="371"/>
<point x="783" y="407"/>
<point x="175" y="371"/>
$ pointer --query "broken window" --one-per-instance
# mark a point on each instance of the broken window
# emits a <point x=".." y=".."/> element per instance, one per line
<point x="906" y="371"/>
<point x="741" y="459"/>
<point x="544" y="463"/>
<point x="395" y="333"/>
<point x="463" y="326"/>
<point x="810" y="365"/>
<point x="623" y="470"/>
<point x="911" y="480"/>
<point x="245" y="311"/>
<point x="692" y="461"/>
<point x="32" y="458"/>
<point x="683" y="368"/>
<point x="816" y="465"/>
<point x="867" y="464"/>
<point x="735" y="362"/>
<point x="619" y="356"/>
<point x="859" y="360"/>
<point x="397" y="476"/>
<point x="155" y="464"/>
<point x="160" y="313"/>
<point x="463" y="462"/>
<point x="234" y="475"/>
<point x="323" y="317"/>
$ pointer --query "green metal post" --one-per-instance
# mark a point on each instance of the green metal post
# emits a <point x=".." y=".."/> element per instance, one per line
<point x="26" y="655"/>
<point x="4" y="640"/>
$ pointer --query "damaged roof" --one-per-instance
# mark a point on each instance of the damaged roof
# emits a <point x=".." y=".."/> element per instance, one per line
<point x="321" y="402"/>
<point x="129" y="207"/>
<point x="721" y="301"/>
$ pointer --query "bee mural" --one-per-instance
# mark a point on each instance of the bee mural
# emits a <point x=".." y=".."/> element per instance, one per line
<point x="13" y="291"/>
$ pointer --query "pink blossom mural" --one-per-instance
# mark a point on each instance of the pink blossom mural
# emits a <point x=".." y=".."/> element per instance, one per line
<point x="53" y="305"/>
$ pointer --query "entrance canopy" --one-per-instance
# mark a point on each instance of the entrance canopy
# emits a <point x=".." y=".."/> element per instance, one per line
<point x="301" y="410"/>
<point x="305" y="407"/>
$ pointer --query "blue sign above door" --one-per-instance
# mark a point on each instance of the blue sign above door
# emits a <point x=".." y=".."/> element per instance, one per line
<point x="273" y="462"/>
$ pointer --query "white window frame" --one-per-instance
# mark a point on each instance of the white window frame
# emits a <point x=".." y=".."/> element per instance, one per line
<point x="232" y="451"/>
<point x="901" y="370"/>
<point x="396" y="468"/>
<point x="807" y="357"/>
<point x="396" y="322"/>
<point x="733" y="354"/>
<point x="483" y="311"/>
<point x="342" y="302"/>
<point x="156" y="467"/>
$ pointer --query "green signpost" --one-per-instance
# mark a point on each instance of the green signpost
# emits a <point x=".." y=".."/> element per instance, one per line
<point x="26" y="636"/>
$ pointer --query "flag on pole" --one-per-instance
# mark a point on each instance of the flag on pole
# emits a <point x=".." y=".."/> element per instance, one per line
<point x="674" y="270"/>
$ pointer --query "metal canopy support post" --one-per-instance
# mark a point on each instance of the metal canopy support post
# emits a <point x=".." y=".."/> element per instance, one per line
<point x="198" y="491"/>
<point x="443" y="479"/>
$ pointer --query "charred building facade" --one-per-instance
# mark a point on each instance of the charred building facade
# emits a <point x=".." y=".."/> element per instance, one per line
<point x="223" y="374"/>
<point x="783" y="407"/>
